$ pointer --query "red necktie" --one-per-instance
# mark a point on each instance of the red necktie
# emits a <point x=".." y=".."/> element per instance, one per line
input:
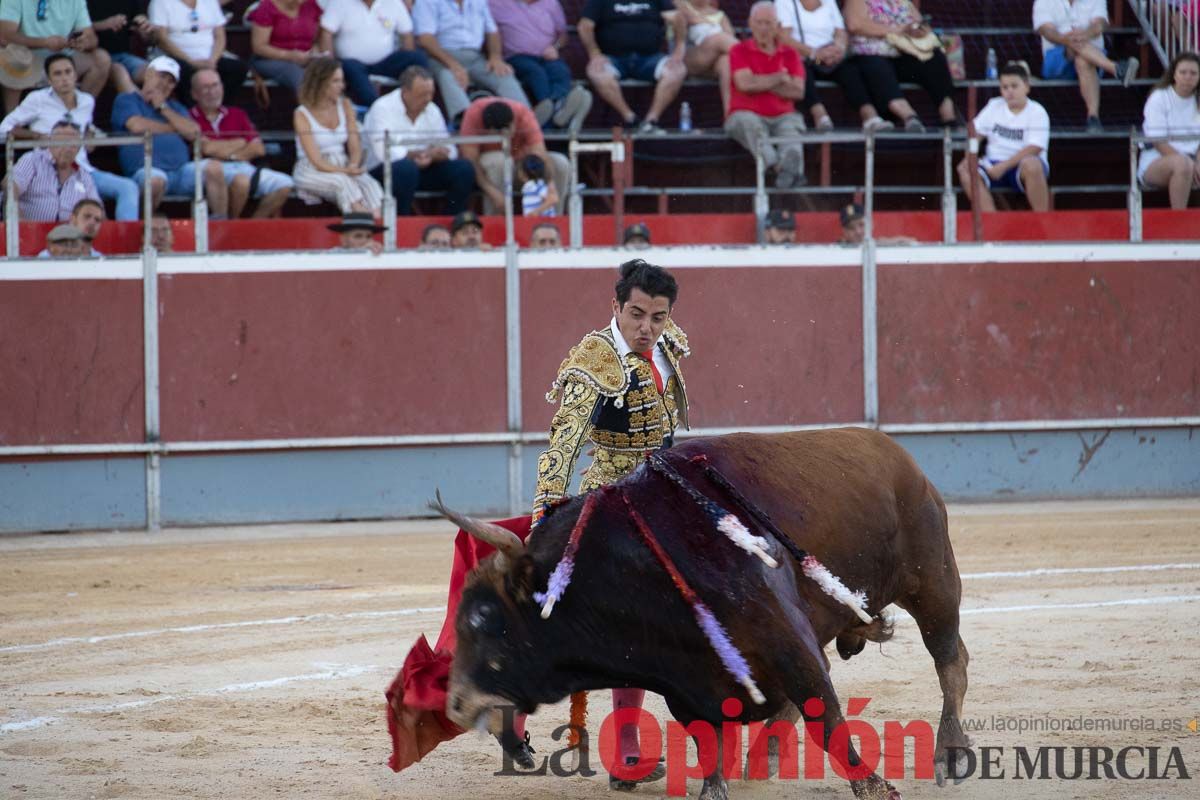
<point x="658" y="381"/>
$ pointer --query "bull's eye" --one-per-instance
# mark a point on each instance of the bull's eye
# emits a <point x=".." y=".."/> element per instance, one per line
<point x="494" y="664"/>
<point x="480" y="615"/>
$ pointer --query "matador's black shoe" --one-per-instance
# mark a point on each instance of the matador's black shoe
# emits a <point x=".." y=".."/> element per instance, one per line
<point x="519" y="751"/>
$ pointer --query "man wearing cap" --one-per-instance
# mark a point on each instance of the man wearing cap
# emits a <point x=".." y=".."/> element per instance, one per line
<point x="44" y="27"/>
<point x="49" y="182"/>
<point x="466" y="232"/>
<point x="409" y="113"/>
<point x="637" y="236"/>
<point x="64" y="241"/>
<point x="230" y="138"/>
<point x="493" y="115"/>
<point x="172" y="171"/>
<point x="357" y="232"/>
<point x="854" y="228"/>
<point x="780" y="227"/>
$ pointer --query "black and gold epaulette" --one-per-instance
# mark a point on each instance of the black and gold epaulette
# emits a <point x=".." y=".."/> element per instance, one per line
<point x="596" y="363"/>
<point x="677" y="339"/>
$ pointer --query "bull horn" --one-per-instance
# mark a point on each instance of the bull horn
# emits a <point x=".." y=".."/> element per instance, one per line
<point x="503" y="540"/>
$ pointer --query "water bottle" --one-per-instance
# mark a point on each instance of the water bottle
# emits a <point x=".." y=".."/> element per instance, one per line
<point x="992" y="72"/>
<point x="685" y="116"/>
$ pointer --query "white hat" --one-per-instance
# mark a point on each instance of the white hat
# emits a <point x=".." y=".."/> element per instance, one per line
<point x="165" y="64"/>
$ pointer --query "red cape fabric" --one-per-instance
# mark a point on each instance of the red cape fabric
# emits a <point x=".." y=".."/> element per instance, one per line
<point x="416" y="700"/>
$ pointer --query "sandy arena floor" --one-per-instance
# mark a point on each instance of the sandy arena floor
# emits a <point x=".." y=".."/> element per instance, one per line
<point x="251" y="662"/>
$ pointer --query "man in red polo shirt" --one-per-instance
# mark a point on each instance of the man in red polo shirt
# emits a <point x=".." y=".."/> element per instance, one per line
<point x="498" y="115"/>
<point x="231" y="138"/>
<point x="768" y="79"/>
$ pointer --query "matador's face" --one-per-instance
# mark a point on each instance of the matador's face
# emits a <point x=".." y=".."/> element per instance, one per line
<point x="642" y="318"/>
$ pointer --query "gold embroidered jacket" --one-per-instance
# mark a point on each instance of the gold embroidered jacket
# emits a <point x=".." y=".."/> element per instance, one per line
<point x="615" y="403"/>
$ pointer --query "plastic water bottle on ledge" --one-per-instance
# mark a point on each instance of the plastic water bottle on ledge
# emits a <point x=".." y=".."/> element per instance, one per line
<point x="992" y="72"/>
<point x="685" y="116"/>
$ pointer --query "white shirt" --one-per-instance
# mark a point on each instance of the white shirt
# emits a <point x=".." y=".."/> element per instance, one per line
<point x="179" y="20"/>
<point x="1068" y="16"/>
<point x="1008" y="133"/>
<point x="389" y="114"/>
<point x="365" y="34"/>
<point x="42" y="109"/>
<point x="660" y="358"/>
<point x="1166" y="113"/>
<point x="813" y="28"/>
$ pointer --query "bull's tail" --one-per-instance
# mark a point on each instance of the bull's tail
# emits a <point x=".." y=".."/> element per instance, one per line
<point x="851" y="641"/>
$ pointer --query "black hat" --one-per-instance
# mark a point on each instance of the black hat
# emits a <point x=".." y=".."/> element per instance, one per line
<point x="781" y="218"/>
<point x="465" y="218"/>
<point x="635" y="230"/>
<point x="357" y="221"/>
<point x="851" y="212"/>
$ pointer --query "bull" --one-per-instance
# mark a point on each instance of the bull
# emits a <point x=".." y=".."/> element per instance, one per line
<point x="850" y="497"/>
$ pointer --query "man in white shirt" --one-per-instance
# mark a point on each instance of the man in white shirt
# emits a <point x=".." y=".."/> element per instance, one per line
<point x="363" y="35"/>
<point x="410" y="113"/>
<point x="1072" y="34"/>
<point x="453" y="32"/>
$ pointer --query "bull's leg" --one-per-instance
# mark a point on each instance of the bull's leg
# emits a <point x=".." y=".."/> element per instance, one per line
<point x="871" y="787"/>
<point x="788" y="714"/>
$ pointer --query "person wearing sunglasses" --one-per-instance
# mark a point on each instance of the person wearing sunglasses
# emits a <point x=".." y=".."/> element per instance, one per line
<point x="49" y="26"/>
<point x="193" y="33"/>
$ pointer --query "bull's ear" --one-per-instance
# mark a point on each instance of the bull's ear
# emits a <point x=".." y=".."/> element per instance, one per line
<point x="522" y="579"/>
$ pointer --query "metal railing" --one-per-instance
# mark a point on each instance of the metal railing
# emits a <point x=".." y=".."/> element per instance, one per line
<point x="1171" y="26"/>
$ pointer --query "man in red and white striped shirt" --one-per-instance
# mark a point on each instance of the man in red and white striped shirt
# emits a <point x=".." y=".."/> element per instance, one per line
<point x="48" y="181"/>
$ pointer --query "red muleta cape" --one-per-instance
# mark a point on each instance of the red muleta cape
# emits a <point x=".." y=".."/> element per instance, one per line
<point x="416" y="699"/>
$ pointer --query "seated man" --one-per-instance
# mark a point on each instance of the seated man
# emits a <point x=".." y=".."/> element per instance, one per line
<point x="64" y="241"/>
<point x="453" y="33"/>
<point x="357" y="231"/>
<point x="492" y="116"/>
<point x="466" y="232"/>
<point x="230" y="138"/>
<point x="637" y="236"/>
<point x="1072" y="34"/>
<point x="854" y="228"/>
<point x="153" y="110"/>
<point x="48" y="181"/>
<point x="435" y="237"/>
<point x="362" y="34"/>
<point x="88" y="216"/>
<point x="780" y="227"/>
<point x="768" y="79"/>
<point x="533" y="32"/>
<point x="48" y="27"/>
<point x="410" y="113"/>
<point x="544" y="236"/>
<point x="625" y="40"/>
<point x="162" y="235"/>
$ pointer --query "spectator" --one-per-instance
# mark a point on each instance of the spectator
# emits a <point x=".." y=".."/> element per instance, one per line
<point x="1017" y="130"/>
<point x="538" y="198"/>
<point x="41" y="109"/>
<point x="768" y="79"/>
<point x="452" y="32"/>
<point x="780" y="227"/>
<point x="283" y="38"/>
<point x="64" y="241"/>
<point x="492" y="116"/>
<point x="357" y="231"/>
<point x="1172" y="110"/>
<point x="193" y="33"/>
<point x="410" y="113"/>
<point x="162" y="235"/>
<point x="88" y="217"/>
<point x="815" y="29"/>
<point x="874" y="25"/>
<point x="153" y="110"/>
<point x="47" y="180"/>
<point x="45" y="26"/>
<point x="637" y="236"/>
<point x="329" y="151"/>
<point x="624" y="40"/>
<point x="230" y="138"/>
<point x="1072" y="34"/>
<point x="435" y="237"/>
<point x="116" y="22"/>
<point x="710" y="38"/>
<point x="533" y="34"/>
<point x="545" y="236"/>
<point x="467" y="232"/>
<point x="854" y="228"/>
<point x="362" y="34"/>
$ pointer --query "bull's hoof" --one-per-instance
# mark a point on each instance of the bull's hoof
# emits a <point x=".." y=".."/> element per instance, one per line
<point x="715" y="790"/>
<point x="621" y="786"/>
